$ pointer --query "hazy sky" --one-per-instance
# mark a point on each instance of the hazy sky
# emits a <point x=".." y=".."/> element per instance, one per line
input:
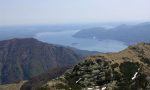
<point x="16" y="12"/>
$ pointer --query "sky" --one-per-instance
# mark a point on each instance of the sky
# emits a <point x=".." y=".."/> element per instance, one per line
<point x="28" y="12"/>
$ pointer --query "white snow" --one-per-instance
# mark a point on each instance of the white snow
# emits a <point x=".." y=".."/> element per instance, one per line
<point x="97" y="87"/>
<point x="103" y="88"/>
<point x="78" y="80"/>
<point x="89" y="88"/>
<point x="135" y="75"/>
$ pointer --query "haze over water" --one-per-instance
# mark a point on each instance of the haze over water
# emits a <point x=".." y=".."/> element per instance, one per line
<point x="65" y="38"/>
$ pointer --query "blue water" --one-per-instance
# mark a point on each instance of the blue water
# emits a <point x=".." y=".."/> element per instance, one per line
<point x="65" y="38"/>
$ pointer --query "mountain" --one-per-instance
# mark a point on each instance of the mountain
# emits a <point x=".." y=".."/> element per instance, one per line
<point x="14" y="86"/>
<point x="22" y="59"/>
<point x="130" y="34"/>
<point x="125" y="70"/>
<point x="30" y="31"/>
<point x="84" y="53"/>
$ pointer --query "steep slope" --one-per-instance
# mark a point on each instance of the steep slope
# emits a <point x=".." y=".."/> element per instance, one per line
<point x="22" y="59"/>
<point x="125" y="70"/>
<point x="35" y="82"/>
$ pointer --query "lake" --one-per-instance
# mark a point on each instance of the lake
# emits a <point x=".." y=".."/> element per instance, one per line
<point x="65" y="38"/>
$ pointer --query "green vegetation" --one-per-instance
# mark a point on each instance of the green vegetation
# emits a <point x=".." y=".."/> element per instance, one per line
<point x="88" y="73"/>
<point x="128" y="69"/>
<point x="103" y="73"/>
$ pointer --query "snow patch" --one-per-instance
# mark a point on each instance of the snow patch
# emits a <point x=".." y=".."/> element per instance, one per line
<point x="103" y="88"/>
<point x="78" y="80"/>
<point x="135" y="75"/>
<point x="89" y="88"/>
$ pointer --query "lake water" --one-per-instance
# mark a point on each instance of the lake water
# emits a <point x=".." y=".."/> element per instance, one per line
<point x="65" y="38"/>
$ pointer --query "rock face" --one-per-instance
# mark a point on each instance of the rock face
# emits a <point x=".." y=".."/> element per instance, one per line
<point x="22" y="59"/>
<point x="126" y="70"/>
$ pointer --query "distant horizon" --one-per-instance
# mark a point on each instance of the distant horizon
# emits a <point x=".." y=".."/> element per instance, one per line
<point x="75" y="23"/>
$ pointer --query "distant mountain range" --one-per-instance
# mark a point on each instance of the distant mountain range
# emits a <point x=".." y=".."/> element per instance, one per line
<point x="130" y="34"/>
<point x="22" y="59"/>
<point x="10" y="32"/>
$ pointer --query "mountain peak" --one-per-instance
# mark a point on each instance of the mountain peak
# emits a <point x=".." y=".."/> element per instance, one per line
<point x="24" y="58"/>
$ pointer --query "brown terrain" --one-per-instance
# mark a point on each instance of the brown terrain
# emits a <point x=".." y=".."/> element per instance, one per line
<point x="22" y="59"/>
<point x="136" y="54"/>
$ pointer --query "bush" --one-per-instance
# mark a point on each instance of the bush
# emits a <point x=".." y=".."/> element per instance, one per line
<point x="128" y="69"/>
<point x="115" y="65"/>
<point x="146" y="61"/>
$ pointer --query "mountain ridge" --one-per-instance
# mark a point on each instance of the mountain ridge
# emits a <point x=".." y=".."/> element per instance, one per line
<point x="21" y="59"/>
<point x="125" y="70"/>
<point x="130" y="34"/>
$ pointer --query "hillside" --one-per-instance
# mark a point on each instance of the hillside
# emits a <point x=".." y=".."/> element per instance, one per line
<point x="14" y="86"/>
<point x="125" y="70"/>
<point x="22" y="59"/>
<point x="130" y="34"/>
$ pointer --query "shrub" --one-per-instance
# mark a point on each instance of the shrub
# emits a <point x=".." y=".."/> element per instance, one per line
<point x="128" y="69"/>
